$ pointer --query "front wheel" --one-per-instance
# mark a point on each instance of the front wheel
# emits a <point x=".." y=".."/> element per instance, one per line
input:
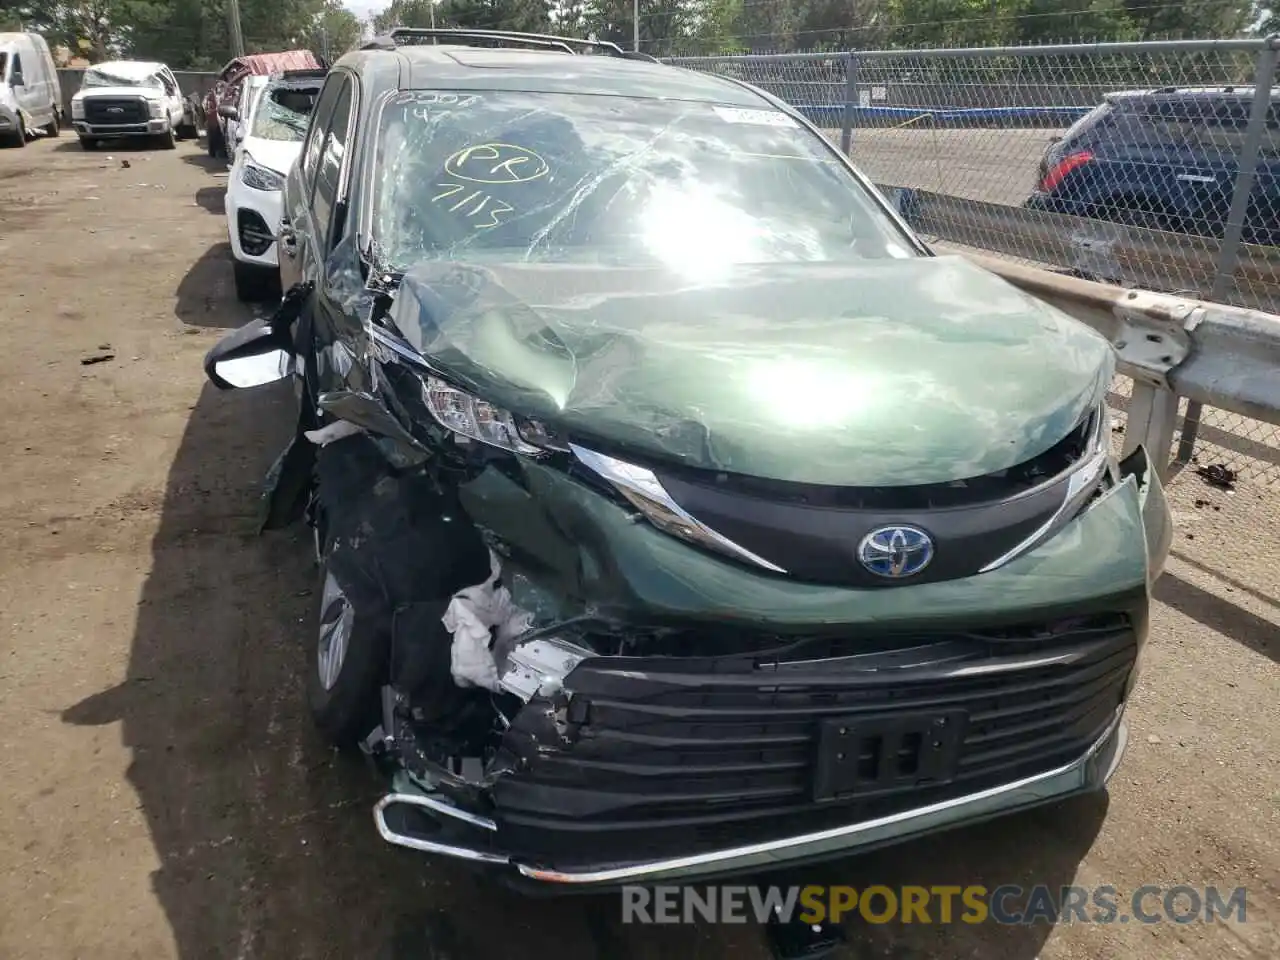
<point x="18" y="138"/>
<point x="167" y="139"/>
<point x="88" y="143"/>
<point x="347" y="662"/>
<point x="54" y="127"/>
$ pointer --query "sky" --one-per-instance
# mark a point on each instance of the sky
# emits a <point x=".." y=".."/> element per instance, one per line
<point x="362" y="8"/>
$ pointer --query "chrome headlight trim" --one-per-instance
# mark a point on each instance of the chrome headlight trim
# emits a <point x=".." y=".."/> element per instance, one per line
<point x="1082" y="482"/>
<point x="641" y="487"/>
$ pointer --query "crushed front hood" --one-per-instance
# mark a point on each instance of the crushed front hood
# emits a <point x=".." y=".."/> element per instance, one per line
<point x="876" y="373"/>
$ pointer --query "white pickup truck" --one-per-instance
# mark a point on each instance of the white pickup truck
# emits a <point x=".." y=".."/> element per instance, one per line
<point x="128" y="98"/>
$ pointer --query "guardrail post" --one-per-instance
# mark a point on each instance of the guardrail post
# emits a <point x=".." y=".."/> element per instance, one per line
<point x="1153" y="413"/>
<point x="850" y="93"/>
<point x="1229" y="252"/>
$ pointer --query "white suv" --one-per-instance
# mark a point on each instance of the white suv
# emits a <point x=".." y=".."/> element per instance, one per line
<point x="128" y="98"/>
<point x="267" y="139"/>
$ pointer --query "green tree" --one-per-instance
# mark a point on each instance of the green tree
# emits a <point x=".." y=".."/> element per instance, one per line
<point x="334" y="30"/>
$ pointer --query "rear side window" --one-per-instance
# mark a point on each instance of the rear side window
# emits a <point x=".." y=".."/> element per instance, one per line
<point x="1213" y="125"/>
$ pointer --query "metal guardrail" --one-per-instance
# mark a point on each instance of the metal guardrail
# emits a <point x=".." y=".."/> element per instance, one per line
<point x="955" y="137"/>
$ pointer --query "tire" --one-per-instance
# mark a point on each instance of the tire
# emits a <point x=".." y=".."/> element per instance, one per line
<point x="88" y="143"/>
<point x="19" y="137"/>
<point x="342" y="691"/>
<point x="255" y="284"/>
<point x="54" y="127"/>
<point x="167" y="140"/>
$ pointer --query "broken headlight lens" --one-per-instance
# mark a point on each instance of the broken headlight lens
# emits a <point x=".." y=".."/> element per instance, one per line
<point x="259" y="177"/>
<point x="480" y="420"/>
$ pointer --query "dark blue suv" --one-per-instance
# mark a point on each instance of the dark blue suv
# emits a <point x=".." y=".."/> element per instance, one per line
<point x="1165" y="159"/>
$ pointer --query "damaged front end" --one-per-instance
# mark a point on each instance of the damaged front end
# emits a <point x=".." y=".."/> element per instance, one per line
<point x="607" y="613"/>
<point x="586" y="681"/>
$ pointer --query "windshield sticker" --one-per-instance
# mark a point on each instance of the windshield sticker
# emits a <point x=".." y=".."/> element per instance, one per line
<point x="481" y="209"/>
<point x="760" y="118"/>
<point x="496" y="163"/>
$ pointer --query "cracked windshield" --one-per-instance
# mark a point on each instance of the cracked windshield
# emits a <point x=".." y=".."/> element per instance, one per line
<point x="603" y="179"/>
<point x="283" y="114"/>
<point x="104" y="78"/>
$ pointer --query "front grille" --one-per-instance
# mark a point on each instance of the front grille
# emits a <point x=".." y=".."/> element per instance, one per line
<point x="112" y="110"/>
<point x="677" y="756"/>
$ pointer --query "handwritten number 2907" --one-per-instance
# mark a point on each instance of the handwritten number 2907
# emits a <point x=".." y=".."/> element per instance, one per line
<point x="473" y="204"/>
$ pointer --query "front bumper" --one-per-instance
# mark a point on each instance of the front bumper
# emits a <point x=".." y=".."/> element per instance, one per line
<point x="678" y="767"/>
<point x="253" y="220"/>
<point x="1089" y="772"/>
<point x="117" y="131"/>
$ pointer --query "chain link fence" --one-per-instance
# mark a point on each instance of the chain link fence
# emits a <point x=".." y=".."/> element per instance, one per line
<point x="1153" y="165"/>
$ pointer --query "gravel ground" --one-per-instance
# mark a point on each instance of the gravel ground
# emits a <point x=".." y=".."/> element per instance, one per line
<point x="161" y="794"/>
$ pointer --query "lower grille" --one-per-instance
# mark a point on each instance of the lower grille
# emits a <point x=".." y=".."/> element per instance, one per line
<point x="109" y="110"/>
<point x="255" y="235"/>
<point x="677" y="756"/>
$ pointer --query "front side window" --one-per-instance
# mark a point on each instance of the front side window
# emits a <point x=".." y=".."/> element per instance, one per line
<point x="696" y="186"/>
<point x="330" y="163"/>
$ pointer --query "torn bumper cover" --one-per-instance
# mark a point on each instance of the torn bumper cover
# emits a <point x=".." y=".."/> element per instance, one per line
<point x="762" y="721"/>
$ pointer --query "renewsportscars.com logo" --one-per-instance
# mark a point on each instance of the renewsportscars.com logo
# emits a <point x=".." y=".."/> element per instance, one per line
<point x="1008" y="904"/>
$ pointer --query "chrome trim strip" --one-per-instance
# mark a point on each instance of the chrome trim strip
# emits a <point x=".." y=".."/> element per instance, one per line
<point x="430" y="846"/>
<point x="644" y="484"/>
<point x="1084" y="477"/>
<point x="641" y="870"/>
<point x="1122" y="742"/>
<point x="436" y="805"/>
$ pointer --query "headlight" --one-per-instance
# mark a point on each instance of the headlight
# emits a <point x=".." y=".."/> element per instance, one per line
<point x="77" y="109"/>
<point x="480" y="420"/>
<point x="157" y="108"/>
<point x="259" y="177"/>
<point x="644" y="491"/>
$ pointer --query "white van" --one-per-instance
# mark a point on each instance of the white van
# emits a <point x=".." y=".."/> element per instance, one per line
<point x="30" y="98"/>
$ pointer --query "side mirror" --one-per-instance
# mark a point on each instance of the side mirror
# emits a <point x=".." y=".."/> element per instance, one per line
<point x="251" y="356"/>
<point x="228" y="112"/>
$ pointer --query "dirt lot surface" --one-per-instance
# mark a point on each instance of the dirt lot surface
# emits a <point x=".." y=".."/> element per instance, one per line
<point x="161" y="793"/>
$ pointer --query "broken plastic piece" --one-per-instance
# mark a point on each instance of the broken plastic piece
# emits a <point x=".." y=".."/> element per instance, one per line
<point x="478" y="617"/>
<point x="334" y="431"/>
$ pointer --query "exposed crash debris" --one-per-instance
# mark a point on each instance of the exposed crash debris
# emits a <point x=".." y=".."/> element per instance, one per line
<point x="1218" y="475"/>
<point x="334" y="431"/>
<point x="481" y="618"/>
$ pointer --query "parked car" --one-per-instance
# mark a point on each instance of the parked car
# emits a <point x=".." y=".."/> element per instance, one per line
<point x="678" y="512"/>
<point x="277" y="111"/>
<point x="30" y="98"/>
<point x="1165" y="159"/>
<point x="124" y="99"/>
<point x="192" y="115"/>
<point x="226" y="88"/>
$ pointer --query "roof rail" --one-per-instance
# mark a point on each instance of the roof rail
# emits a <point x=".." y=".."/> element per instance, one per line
<point x="408" y="36"/>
